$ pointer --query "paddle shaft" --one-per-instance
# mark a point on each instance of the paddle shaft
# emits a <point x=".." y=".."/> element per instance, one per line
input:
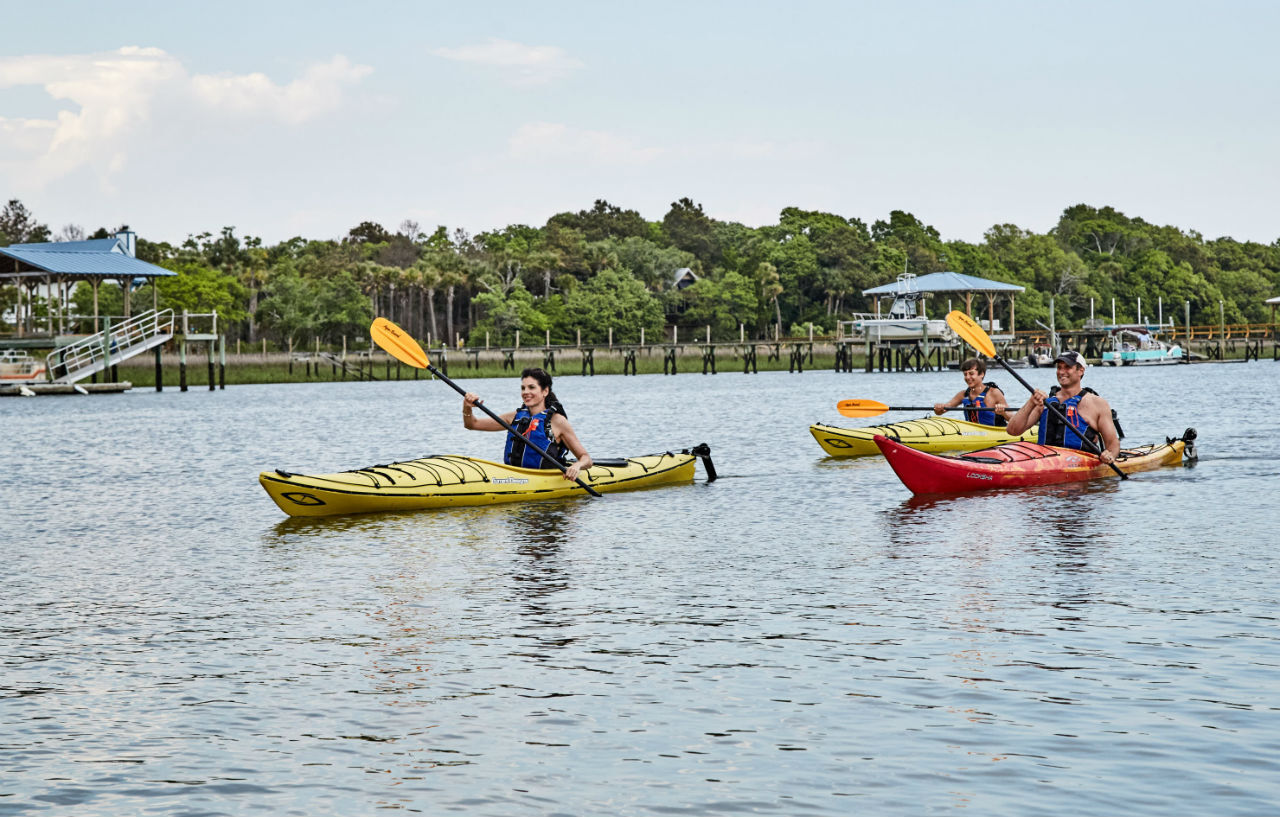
<point x="1054" y="407"/>
<point x="431" y="368"/>
<point x="950" y="408"/>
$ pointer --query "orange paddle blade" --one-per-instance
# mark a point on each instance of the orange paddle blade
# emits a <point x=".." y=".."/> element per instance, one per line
<point x="969" y="331"/>
<point x="861" y="408"/>
<point x="398" y="343"/>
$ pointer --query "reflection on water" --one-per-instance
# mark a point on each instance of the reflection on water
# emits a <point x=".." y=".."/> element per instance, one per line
<point x="800" y="637"/>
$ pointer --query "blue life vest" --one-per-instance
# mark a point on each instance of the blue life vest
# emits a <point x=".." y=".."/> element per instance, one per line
<point x="986" y="418"/>
<point x="534" y="428"/>
<point x="1053" y="431"/>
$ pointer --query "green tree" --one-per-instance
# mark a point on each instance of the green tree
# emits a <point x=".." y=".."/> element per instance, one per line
<point x="198" y="288"/>
<point x="503" y="314"/>
<point x="288" y="307"/>
<point x="652" y="264"/>
<point x="19" y="226"/>
<point x="368" y="232"/>
<point x="690" y="229"/>
<point x="769" y="287"/>
<point x="921" y="243"/>
<point x="613" y="300"/>
<point x="723" y="304"/>
<point x="603" y="221"/>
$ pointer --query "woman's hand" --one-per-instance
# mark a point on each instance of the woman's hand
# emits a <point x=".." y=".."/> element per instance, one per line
<point x="939" y="408"/>
<point x="577" y="467"/>
<point x="469" y="401"/>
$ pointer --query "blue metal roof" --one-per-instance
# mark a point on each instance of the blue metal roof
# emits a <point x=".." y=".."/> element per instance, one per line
<point x="104" y="257"/>
<point x="946" y="282"/>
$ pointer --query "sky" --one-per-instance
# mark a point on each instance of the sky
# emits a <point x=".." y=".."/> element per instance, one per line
<point x="284" y="119"/>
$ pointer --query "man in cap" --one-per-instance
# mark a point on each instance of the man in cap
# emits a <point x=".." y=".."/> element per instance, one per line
<point x="1087" y="414"/>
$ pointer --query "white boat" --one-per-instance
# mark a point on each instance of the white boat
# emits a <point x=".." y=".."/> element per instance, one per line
<point x="902" y="322"/>
<point x="16" y="366"/>
<point x="1135" y="346"/>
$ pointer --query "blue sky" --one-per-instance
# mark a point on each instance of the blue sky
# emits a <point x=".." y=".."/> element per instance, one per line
<point x="291" y="118"/>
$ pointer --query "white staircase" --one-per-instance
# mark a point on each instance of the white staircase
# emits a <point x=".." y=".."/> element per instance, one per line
<point x="113" y="344"/>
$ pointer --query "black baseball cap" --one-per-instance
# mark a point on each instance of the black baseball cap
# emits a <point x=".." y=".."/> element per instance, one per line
<point x="1071" y="358"/>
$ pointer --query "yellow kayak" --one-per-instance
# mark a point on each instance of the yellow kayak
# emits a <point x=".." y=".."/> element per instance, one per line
<point x="449" y="481"/>
<point x="932" y="434"/>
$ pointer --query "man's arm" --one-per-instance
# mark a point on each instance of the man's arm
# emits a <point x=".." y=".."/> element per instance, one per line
<point x="1099" y="416"/>
<point x="1028" y="415"/>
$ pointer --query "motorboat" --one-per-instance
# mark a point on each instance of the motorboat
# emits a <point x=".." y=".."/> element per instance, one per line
<point x="1136" y="346"/>
<point x="16" y="366"/>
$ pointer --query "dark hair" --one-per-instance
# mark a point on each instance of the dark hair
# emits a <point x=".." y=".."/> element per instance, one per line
<point x="544" y="380"/>
<point x="974" y="363"/>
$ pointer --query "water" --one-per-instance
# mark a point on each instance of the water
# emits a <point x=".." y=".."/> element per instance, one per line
<point x="799" y="637"/>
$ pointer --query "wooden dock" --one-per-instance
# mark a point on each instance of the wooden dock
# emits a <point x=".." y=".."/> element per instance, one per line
<point x="37" y="389"/>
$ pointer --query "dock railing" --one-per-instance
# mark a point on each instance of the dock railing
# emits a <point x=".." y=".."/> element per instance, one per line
<point x="113" y="344"/>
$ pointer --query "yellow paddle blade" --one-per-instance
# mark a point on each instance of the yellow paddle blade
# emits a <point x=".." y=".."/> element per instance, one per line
<point x="861" y="408"/>
<point x="398" y="344"/>
<point x="969" y="331"/>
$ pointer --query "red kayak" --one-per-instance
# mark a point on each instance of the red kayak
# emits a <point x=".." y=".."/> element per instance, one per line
<point x="1021" y="464"/>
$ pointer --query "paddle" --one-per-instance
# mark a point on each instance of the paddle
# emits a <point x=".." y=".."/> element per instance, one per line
<point x="405" y="349"/>
<point x="870" y="408"/>
<point x="976" y="336"/>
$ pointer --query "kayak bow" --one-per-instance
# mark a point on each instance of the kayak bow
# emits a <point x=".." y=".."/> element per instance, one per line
<point x="932" y="434"/>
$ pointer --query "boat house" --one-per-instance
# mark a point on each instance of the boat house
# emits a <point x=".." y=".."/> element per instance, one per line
<point x="905" y="293"/>
<point x="57" y="266"/>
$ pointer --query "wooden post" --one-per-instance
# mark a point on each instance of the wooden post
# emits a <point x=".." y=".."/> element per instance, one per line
<point x="1186" y="305"/>
<point x="106" y="350"/>
<point x="159" y="371"/>
<point x="222" y="370"/>
<point x="182" y="363"/>
<point x="1053" y="331"/>
<point x="1222" y="330"/>
<point x="212" y="385"/>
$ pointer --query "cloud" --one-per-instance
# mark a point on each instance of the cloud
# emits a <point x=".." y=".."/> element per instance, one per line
<point x="114" y="95"/>
<point x="548" y="140"/>
<point x="518" y="64"/>
<point x="317" y="92"/>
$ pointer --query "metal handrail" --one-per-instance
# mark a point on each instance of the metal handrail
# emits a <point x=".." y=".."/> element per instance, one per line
<point x="109" y="346"/>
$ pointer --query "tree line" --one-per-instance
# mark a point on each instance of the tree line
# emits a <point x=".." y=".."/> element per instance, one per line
<point x="608" y="270"/>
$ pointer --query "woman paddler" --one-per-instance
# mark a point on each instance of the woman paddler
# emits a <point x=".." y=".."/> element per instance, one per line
<point x="541" y="419"/>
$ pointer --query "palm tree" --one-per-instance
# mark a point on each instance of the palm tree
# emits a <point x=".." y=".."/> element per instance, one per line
<point x="770" y="288"/>
<point x="428" y="279"/>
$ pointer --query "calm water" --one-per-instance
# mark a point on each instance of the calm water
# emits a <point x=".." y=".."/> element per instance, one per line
<point x="797" y="638"/>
